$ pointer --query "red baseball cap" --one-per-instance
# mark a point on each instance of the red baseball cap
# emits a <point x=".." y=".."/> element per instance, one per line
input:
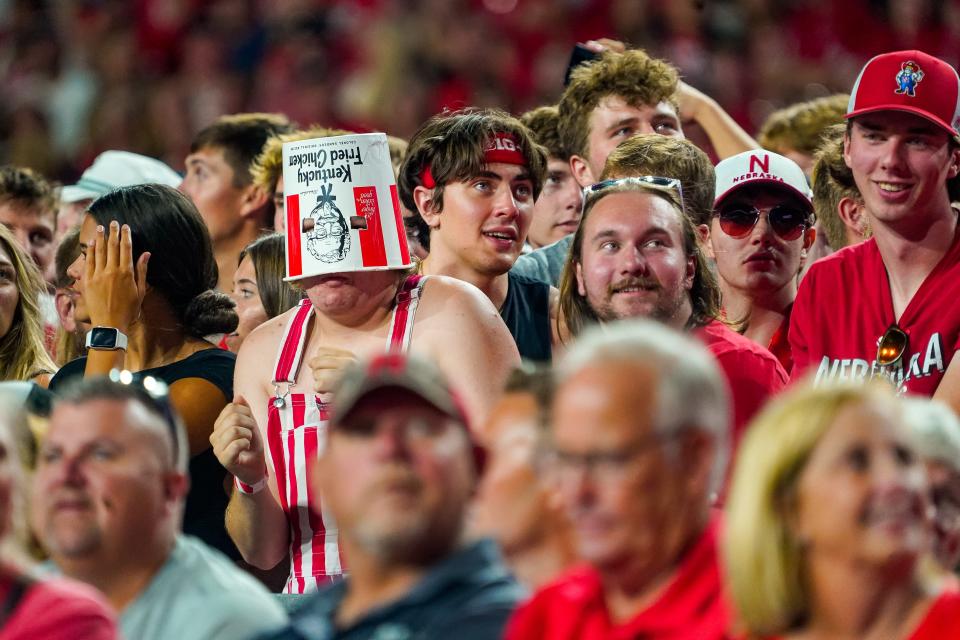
<point x="910" y="81"/>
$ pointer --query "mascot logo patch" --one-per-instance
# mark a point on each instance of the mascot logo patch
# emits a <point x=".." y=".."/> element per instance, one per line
<point x="329" y="239"/>
<point x="908" y="78"/>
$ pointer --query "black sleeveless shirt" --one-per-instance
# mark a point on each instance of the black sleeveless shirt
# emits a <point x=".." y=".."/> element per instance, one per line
<point x="206" y="505"/>
<point x="526" y="312"/>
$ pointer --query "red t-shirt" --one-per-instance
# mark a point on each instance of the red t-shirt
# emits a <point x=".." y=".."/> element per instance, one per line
<point x="59" y="609"/>
<point x="573" y="607"/>
<point x="942" y="621"/>
<point x="780" y="344"/>
<point x="752" y="372"/>
<point x="844" y="306"/>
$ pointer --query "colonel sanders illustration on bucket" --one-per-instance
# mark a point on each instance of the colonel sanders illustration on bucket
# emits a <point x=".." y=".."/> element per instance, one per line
<point x="329" y="239"/>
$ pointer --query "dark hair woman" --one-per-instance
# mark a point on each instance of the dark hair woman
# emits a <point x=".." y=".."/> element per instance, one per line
<point x="144" y="281"/>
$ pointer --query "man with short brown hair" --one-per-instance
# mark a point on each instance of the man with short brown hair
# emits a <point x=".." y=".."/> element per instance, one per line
<point x="29" y="209"/>
<point x="219" y="183"/>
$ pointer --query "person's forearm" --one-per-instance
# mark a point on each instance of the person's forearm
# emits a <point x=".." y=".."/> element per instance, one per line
<point x="258" y="526"/>
<point x="101" y="361"/>
<point x="727" y="137"/>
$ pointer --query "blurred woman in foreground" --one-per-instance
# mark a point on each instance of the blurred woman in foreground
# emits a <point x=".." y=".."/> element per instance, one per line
<point x="828" y="520"/>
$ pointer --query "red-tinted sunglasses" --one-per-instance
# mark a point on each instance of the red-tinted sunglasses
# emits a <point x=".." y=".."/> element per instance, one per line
<point x="787" y="221"/>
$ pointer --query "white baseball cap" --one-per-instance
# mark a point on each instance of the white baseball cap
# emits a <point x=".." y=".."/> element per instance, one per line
<point x="114" y="169"/>
<point x="760" y="166"/>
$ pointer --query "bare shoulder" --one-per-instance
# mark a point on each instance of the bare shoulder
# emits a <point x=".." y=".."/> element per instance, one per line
<point x="264" y="340"/>
<point x="446" y="297"/>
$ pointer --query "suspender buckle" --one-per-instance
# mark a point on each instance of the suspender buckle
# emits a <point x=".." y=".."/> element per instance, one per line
<point x="280" y="399"/>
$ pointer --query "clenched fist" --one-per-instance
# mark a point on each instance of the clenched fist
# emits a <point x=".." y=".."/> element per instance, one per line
<point x="237" y="444"/>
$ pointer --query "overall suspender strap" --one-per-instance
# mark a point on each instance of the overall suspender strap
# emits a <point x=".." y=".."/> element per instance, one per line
<point x="401" y="325"/>
<point x="291" y="348"/>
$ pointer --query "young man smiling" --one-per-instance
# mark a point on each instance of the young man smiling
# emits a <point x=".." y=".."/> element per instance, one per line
<point x="891" y="306"/>
<point x="474" y="176"/>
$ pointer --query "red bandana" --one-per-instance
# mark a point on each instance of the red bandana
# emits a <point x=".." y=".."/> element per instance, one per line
<point x="502" y="147"/>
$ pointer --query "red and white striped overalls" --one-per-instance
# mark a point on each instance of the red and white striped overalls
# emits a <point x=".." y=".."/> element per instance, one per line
<point x="296" y="432"/>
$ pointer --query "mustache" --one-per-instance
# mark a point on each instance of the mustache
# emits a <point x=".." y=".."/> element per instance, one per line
<point x="396" y="477"/>
<point x="628" y="283"/>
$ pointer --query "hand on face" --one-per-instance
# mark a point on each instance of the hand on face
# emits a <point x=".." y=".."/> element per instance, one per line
<point x="112" y="288"/>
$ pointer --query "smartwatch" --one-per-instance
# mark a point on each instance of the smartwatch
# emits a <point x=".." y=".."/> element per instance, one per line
<point x="106" y="339"/>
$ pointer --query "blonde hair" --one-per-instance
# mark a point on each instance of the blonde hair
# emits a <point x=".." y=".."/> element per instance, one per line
<point x="22" y="352"/>
<point x="266" y="168"/>
<point x="762" y="557"/>
<point x="800" y="126"/>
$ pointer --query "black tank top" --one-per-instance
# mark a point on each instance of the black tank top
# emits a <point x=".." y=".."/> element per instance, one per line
<point x="526" y="312"/>
<point x="206" y="505"/>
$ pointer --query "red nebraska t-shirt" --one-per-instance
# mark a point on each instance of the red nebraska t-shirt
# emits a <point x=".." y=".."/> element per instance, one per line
<point x="573" y="607"/>
<point x="752" y="372"/>
<point x="844" y="306"/>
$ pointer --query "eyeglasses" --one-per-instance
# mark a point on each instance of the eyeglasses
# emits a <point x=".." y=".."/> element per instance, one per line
<point x="595" y="191"/>
<point x="787" y="221"/>
<point x="155" y="394"/>
<point x="603" y="466"/>
<point x="891" y="346"/>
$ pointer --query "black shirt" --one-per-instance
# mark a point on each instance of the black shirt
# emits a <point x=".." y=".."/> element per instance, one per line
<point x="206" y="505"/>
<point x="470" y="595"/>
<point x="526" y="312"/>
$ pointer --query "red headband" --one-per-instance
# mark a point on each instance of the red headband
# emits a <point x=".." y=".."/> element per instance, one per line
<point x="502" y="147"/>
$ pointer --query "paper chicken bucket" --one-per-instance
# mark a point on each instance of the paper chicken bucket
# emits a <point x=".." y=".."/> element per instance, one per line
<point x="342" y="208"/>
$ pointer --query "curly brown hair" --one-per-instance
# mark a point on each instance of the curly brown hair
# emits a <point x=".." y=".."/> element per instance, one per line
<point x="632" y="75"/>
<point x="544" y="123"/>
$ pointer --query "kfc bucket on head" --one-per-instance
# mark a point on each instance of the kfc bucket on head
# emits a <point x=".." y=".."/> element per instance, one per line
<point x="343" y="212"/>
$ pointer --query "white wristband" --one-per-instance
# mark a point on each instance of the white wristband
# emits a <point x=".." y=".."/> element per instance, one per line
<point x="250" y="489"/>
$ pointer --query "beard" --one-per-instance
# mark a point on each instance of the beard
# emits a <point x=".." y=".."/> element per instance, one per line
<point x="664" y="307"/>
<point x="407" y="535"/>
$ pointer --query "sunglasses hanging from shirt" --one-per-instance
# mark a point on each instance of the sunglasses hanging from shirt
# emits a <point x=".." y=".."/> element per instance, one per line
<point x="891" y="346"/>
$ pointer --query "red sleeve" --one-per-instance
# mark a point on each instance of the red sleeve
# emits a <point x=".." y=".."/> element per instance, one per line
<point x="526" y="622"/>
<point x="799" y="332"/>
<point x="753" y="379"/>
<point x="61" y="610"/>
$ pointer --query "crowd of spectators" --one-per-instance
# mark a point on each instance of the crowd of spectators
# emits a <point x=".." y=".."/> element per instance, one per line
<point x="85" y="76"/>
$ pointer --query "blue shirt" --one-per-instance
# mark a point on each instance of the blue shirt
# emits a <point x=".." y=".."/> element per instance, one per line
<point x="470" y="595"/>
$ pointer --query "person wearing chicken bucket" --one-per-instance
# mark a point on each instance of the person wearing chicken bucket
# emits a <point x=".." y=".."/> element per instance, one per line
<point x="359" y="305"/>
<point x="473" y="176"/>
<point x="890" y="306"/>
